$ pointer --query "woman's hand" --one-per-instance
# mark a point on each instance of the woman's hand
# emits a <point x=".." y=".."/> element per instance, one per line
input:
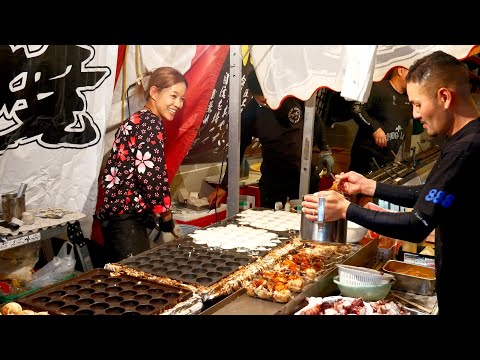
<point x="335" y="205"/>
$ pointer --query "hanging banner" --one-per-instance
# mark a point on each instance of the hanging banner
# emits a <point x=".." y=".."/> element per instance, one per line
<point x="55" y="100"/>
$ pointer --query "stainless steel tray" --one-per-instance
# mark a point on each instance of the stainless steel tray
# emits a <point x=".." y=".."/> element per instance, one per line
<point x="239" y="303"/>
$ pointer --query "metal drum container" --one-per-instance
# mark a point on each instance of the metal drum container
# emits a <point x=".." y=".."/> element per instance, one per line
<point x="334" y="231"/>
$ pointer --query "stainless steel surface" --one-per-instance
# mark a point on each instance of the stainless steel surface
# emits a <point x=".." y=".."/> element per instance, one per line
<point x="239" y="303"/>
<point x="334" y="231"/>
<point x="423" y="284"/>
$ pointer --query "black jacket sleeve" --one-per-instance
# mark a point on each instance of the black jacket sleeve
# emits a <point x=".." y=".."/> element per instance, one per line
<point x="319" y="136"/>
<point x="360" y="114"/>
<point x="406" y="226"/>
<point x="399" y="195"/>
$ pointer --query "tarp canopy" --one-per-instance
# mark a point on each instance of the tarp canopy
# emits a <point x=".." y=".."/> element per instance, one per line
<point x="300" y="70"/>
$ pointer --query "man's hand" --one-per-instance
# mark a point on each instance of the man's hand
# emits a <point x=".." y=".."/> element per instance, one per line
<point x="326" y="160"/>
<point x="380" y="138"/>
<point x="216" y="196"/>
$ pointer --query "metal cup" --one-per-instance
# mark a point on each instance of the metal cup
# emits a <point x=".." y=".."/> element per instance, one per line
<point x="12" y="206"/>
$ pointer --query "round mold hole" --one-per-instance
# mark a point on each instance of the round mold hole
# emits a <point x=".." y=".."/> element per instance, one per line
<point x="218" y="261"/>
<point x="189" y="276"/>
<point x="209" y="266"/>
<point x="113" y="299"/>
<point x="57" y="293"/>
<point x="159" y="269"/>
<point x="99" y="286"/>
<point x="194" y="262"/>
<point x="115" y="311"/>
<point x="100" y="295"/>
<point x="198" y="271"/>
<point x="157" y="262"/>
<point x="140" y="287"/>
<point x="215" y="253"/>
<point x="174" y="272"/>
<point x="180" y="260"/>
<point x="129" y="303"/>
<point x="69" y="309"/>
<point x="86" y="282"/>
<point x="55" y="304"/>
<point x="156" y="292"/>
<point x="232" y="263"/>
<point x="170" y="264"/>
<point x="171" y="295"/>
<point x="126" y="283"/>
<point x="176" y="252"/>
<point x="41" y="300"/>
<point x="142" y="259"/>
<point x="70" y="297"/>
<point x="157" y="302"/>
<point x="224" y="269"/>
<point x="168" y="256"/>
<point x="132" y="263"/>
<point x="113" y="289"/>
<point x="142" y="297"/>
<point x="83" y="302"/>
<point x="127" y="293"/>
<point x="184" y="267"/>
<point x="242" y="260"/>
<point x="145" y="308"/>
<point x="130" y="313"/>
<point x="203" y="258"/>
<point x="85" y="312"/>
<point x="112" y="280"/>
<point x="213" y="274"/>
<point x="145" y="266"/>
<point x="204" y="280"/>
<point x="99" y="306"/>
<point x="100" y="277"/>
<point x="227" y="256"/>
<point x="85" y="292"/>
<point x="71" y="287"/>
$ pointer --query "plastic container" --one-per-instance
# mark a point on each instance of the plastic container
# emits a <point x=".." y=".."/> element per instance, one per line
<point x="366" y="292"/>
<point x="356" y="275"/>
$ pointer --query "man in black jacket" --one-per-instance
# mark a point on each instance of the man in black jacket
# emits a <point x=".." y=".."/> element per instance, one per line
<point x="280" y="133"/>
<point x="438" y="87"/>
<point x="382" y="121"/>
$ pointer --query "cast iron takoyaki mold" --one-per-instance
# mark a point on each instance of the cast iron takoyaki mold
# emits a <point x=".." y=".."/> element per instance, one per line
<point x="96" y="292"/>
<point x="188" y="263"/>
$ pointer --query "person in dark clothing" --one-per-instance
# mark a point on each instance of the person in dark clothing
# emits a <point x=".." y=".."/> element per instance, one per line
<point x="135" y="179"/>
<point x="280" y="133"/>
<point x="382" y="121"/>
<point x="438" y="87"/>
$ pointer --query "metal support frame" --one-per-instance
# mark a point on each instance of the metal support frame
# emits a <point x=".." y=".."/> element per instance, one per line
<point x="234" y="130"/>
<point x="307" y="147"/>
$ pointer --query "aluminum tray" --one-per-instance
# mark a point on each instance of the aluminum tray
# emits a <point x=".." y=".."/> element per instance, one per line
<point x="239" y="303"/>
<point x="423" y="284"/>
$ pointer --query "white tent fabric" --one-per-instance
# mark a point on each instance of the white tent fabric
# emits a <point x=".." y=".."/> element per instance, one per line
<point x="300" y="70"/>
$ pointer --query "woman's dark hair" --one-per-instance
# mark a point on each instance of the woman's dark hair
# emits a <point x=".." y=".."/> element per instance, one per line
<point x="163" y="78"/>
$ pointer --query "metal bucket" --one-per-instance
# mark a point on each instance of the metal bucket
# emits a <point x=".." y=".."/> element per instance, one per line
<point x="334" y="231"/>
<point x="13" y="206"/>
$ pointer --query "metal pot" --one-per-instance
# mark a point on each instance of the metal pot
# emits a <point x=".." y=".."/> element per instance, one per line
<point x="334" y="231"/>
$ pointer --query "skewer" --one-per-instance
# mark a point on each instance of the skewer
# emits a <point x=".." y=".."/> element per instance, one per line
<point x="421" y="307"/>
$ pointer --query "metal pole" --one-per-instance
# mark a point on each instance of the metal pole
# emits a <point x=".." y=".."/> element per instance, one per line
<point x="234" y="130"/>
<point x="307" y="145"/>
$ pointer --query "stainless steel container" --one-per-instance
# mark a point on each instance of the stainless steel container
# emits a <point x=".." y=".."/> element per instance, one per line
<point x="334" y="231"/>
<point x="13" y="206"/>
<point x="411" y="278"/>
